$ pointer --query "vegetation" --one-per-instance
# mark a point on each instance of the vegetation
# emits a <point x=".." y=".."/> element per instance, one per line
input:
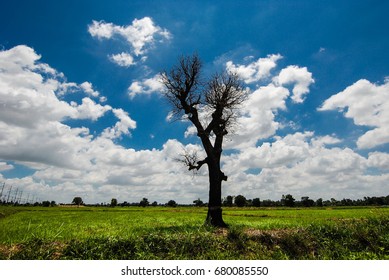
<point x="78" y="201"/>
<point x="114" y="202"/>
<point x="179" y="233"/>
<point x="289" y="201"/>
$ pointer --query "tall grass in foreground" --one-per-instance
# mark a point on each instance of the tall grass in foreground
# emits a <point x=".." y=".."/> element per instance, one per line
<point x="179" y="234"/>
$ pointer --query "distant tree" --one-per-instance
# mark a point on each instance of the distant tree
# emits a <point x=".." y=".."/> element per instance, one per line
<point x="198" y="202"/>
<point x="46" y="203"/>
<point x="326" y="203"/>
<point x="125" y="203"/>
<point x="154" y="204"/>
<point x="114" y="202"/>
<point x="307" y="202"/>
<point x="144" y="202"/>
<point x="346" y="202"/>
<point x="53" y="203"/>
<point x="256" y="202"/>
<point x="78" y="201"/>
<point x="288" y="200"/>
<point x="220" y="96"/>
<point x="172" y="203"/>
<point x="228" y="201"/>
<point x="319" y="202"/>
<point x="268" y="203"/>
<point x="240" y="201"/>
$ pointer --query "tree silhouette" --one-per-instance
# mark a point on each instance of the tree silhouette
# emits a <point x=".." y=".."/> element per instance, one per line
<point x="172" y="203"/>
<point x="256" y="202"/>
<point x="144" y="202"/>
<point x="78" y="201"/>
<point x="240" y="200"/>
<point x="287" y="200"/>
<point x="211" y="106"/>
<point x="228" y="201"/>
<point x="114" y="202"/>
<point x="198" y="202"/>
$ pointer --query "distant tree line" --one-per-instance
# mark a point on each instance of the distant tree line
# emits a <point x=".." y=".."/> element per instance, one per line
<point x="45" y="203"/>
<point x="286" y="201"/>
<point x="289" y="201"/>
<point x="231" y="201"/>
<point x="143" y="203"/>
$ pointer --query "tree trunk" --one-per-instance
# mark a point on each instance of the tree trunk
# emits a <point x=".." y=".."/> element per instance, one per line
<point x="214" y="216"/>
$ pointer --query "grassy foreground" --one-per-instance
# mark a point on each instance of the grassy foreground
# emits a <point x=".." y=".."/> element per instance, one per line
<point x="179" y="233"/>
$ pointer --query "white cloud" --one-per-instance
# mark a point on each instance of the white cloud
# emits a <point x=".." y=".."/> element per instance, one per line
<point x="302" y="164"/>
<point x="101" y="29"/>
<point x="123" y="126"/>
<point x="126" y="174"/>
<point x="368" y="105"/>
<point x="4" y="166"/>
<point x="23" y="89"/>
<point x="300" y="77"/>
<point x="87" y="87"/>
<point x="32" y="115"/>
<point x="141" y="35"/>
<point x="50" y="143"/>
<point x="378" y="160"/>
<point x="123" y="59"/>
<point x="255" y="71"/>
<point x="88" y="109"/>
<point x="70" y="161"/>
<point x="258" y="116"/>
<point x="146" y="86"/>
<point x="285" y="151"/>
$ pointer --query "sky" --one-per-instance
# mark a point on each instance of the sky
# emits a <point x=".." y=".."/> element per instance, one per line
<point x="82" y="111"/>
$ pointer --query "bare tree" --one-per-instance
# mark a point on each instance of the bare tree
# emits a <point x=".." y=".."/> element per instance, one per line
<point x="217" y="101"/>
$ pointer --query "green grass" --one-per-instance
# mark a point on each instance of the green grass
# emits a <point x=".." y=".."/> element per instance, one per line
<point x="179" y="233"/>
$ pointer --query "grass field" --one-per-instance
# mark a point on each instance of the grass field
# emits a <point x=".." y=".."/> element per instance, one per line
<point x="179" y="233"/>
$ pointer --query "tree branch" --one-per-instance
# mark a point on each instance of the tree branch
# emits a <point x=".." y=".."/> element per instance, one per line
<point x="199" y="164"/>
<point x="192" y="162"/>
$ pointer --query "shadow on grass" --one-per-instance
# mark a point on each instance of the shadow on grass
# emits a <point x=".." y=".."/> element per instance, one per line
<point x="353" y="239"/>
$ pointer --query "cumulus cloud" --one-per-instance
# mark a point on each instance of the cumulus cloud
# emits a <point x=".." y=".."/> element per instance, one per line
<point x="4" y="166"/>
<point x="146" y="86"/>
<point x="255" y="71"/>
<point x="32" y="115"/>
<point x="123" y="126"/>
<point x="89" y="109"/>
<point x="140" y="35"/>
<point x="303" y="164"/>
<point x="126" y="174"/>
<point x="300" y="77"/>
<point x="378" y="160"/>
<point x="123" y="59"/>
<point x="87" y="87"/>
<point x="68" y="161"/>
<point x="24" y="89"/>
<point x="368" y="105"/>
<point x="284" y="151"/>
<point x="258" y="115"/>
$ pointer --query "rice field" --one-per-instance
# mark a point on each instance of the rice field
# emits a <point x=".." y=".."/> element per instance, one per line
<point x="180" y="233"/>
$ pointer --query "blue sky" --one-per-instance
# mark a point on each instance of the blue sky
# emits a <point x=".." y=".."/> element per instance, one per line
<point x="83" y="115"/>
